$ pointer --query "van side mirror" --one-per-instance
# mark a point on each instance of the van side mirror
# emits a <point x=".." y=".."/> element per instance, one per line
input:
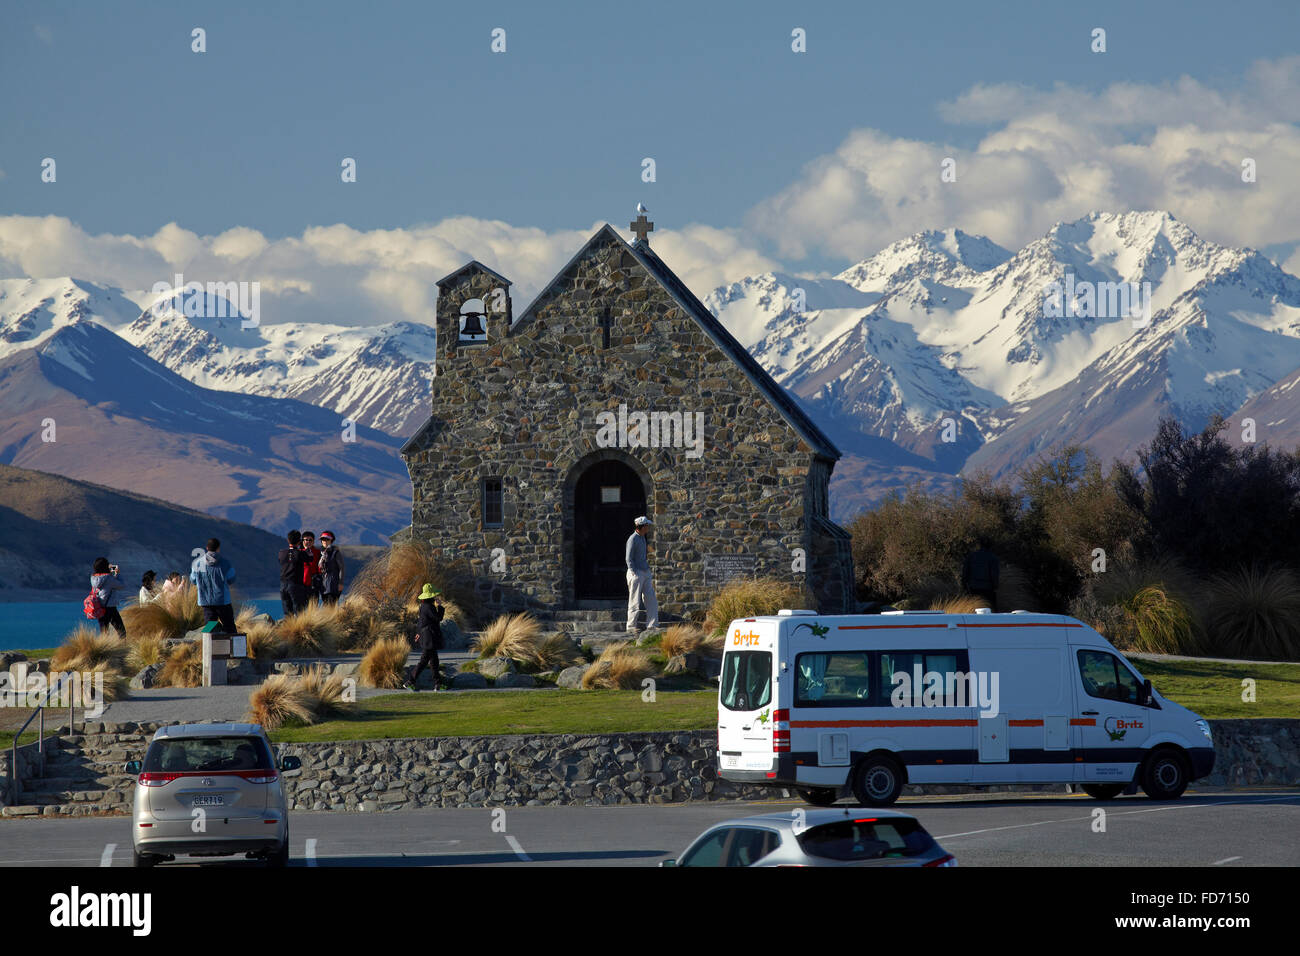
<point x="290" y="763"/>
<point x="132" y="767"/>
<point x="1148" y="696"/>
<point x="667" y="862"/>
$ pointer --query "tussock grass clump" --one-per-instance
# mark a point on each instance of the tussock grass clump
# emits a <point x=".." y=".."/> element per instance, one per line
<point x="391" y="581"/>
<point x="751" y="597"/>
<point x="385" y="663"/>
<point x="1254" y="612"/>
<point x="278" y="701"/>
<point x="1148" y="606"/>
<point x="183" y="667"/>
<point x="87" y="647"/>
<point x="681" y="639"/>
<point x="1162" y="623"/>
<point x="172" y="615"/>
<point x="958" y="604"/>
<point x="489" y="640"/>
<point x="621" y="667"/>
<point x="556" y="652"/>
<point x="264" y="641"/>
<point x="315" y="631"/>
<point x="147" y="650"/>
<point x="323" y="692"/>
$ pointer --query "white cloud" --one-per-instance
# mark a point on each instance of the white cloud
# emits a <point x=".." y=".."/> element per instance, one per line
<point x="341" y="275"/>
<point x="1057" y="155"/>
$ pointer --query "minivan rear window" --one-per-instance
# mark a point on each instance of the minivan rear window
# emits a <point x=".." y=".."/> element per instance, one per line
<point x="746" y="682"/>
<point x="866" y="839"/>
<point x="207" y="754"/>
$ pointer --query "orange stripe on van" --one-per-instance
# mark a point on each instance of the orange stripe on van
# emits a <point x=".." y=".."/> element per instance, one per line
<point x="1082" y="722"/>
<point x="884" y="723"/>
<point x="1024" y="723"/>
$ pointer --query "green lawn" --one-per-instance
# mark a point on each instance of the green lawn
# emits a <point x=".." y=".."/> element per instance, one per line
<point x="523" y="712"/>
<point x="33" y="654"/>
<point x="1214" y="690"/>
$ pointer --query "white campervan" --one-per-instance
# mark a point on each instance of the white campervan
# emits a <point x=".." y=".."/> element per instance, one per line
<point x="875" y="701"/>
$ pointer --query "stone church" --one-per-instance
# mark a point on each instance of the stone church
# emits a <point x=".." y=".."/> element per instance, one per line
<point x="616" y="393"/>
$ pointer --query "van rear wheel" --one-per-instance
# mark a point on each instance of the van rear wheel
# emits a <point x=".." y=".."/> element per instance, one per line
<point x="877" y="781"/>
<point x="1164" y="775"/>
<point x="1103" y="791"/>
<point x="817" y="796"/>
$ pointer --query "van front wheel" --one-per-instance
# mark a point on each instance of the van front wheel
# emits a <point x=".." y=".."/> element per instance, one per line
<point x="877" y="781"/>
<point x="1164" y="775"/>
<point x="817" y="796"/>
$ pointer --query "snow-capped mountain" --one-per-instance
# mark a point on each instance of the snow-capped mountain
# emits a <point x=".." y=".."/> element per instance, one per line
<point x="377" y="376"/>
<point x="86" y="404"/>
<point x="952" y="326"/>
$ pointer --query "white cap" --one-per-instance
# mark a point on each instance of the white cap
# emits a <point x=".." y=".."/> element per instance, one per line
<point x="642" y="520"/>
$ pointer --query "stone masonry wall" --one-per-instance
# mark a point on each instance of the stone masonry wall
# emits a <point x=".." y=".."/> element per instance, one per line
<point x="523" y="407"/>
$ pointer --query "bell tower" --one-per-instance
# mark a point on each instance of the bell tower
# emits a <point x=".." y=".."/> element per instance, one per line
<point x="473" y="311"/>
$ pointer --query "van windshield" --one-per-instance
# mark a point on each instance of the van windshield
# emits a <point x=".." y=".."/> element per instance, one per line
<point x="746" y="680"/>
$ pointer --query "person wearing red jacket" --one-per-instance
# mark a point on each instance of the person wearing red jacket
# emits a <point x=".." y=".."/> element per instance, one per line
<point x="311" y="565"/>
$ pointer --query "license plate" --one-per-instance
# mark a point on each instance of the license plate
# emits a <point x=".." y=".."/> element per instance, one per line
<point x="730" y="761"/>
<point x="214" y="800"/>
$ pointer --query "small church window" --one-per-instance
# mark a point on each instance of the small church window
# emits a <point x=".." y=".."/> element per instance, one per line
<point x="493" y="503"/>
<point x="606" y="323"/>
<point x="611" y="494"/>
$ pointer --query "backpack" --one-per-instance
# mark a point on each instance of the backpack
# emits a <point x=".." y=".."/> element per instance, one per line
<point x="94" y="605"/>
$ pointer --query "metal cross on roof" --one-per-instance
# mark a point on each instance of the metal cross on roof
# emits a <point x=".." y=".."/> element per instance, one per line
<point x="642" y="227"/>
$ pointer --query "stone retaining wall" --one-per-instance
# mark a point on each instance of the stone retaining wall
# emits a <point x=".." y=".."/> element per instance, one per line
<point x="637" y="768"/>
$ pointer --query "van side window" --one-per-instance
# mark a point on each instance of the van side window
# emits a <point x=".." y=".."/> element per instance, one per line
<point x="943" y="662"/>
<point x="841" y="679"/>
<point x="1105" y="677"/>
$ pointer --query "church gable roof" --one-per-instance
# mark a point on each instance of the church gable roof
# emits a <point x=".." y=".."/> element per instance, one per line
<point x="693" y="307"/>
<point x="472" y="264"/>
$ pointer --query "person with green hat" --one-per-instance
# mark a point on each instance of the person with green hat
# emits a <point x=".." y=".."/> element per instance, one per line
<point x="428" y="637"/>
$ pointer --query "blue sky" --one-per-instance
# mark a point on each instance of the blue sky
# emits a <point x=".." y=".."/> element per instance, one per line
<point x="550" y="135"/>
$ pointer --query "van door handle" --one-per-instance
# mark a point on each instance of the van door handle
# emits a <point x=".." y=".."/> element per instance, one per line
<point x="745" y="726"/>
<point x="1091" y="713"/>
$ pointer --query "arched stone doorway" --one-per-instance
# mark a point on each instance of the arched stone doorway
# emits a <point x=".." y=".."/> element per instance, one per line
<point x="607" y="496"/>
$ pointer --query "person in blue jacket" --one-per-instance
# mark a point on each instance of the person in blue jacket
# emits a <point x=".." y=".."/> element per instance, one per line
<point x="212" y="575"/>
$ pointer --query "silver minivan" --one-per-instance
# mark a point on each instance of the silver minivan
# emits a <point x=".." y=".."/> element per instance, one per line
<point x="210" y="790"/>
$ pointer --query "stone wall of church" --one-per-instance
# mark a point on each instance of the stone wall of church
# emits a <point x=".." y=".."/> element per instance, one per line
<point x="523" y="407"/>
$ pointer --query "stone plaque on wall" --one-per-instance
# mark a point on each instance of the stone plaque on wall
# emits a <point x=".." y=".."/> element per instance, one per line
<point x="721" y="568"/>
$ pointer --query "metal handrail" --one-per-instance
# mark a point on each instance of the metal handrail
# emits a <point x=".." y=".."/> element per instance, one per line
<point x="15" y="780"/>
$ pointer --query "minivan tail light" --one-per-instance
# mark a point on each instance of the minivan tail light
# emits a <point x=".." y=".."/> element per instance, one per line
<point x="946" y="860"/>
<point x="259" y="776"/>
<point x="157" y="779"/>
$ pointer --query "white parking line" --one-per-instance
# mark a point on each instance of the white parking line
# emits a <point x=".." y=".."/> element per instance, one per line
<point x="1228" y="860"/>
<point x="519" y="851"/>
<point x="1121" y="813"/>
<point x="311" y="852"/>
<point x="106" y="858"/>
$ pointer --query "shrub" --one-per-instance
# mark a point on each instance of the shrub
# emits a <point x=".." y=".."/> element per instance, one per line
<point x="958" y="604"/>
<point x="681" y="639"/>
<point x="749" y="597"/>
<point x="264" y="641"/>
<point x="1163" y="623"/>
<point x="1254" y="612"/>
<point x="489" y="640"/>
<point x="323" y="692"/>
<point x="385" y="663"/>
<point x="87" y="647"/>
<point x="1015" y="592"/>
<point x="172" y="615"/>
<point x="391" y="581"/>
<point x="183" y="667"/>
<point x="620" y="666"/>
<point x="556" y="652"/>
<point x="315" y="631"/>
<point x="519" y="637"/>
<point x="147" y="650"/>
<point x="278" y="701"/>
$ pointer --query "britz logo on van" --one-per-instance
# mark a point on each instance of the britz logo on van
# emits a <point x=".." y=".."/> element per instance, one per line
<point x="1121" y="727"/>
<point x="749" y="639"/>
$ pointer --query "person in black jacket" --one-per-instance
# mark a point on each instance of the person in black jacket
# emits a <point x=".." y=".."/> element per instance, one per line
<point x="979" y="573"/>
<point x="428" y="637"/>
<point x="293" y="593"/>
